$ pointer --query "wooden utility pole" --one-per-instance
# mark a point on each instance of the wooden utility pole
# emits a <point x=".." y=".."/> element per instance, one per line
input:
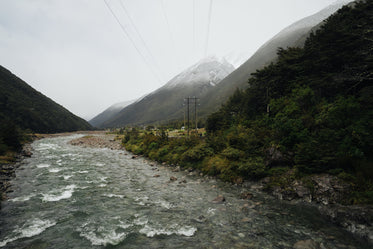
<point x="195" y="113"/>
<point x="188" y="114"/>
<point x="188" y="102"/>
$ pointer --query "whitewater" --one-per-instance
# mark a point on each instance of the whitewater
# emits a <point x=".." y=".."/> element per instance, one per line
<point x="67" y="196"/>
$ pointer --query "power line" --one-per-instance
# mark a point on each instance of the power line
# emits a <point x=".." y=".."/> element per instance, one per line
<point x="208" y="27"/>
<point x="138" y="33"/>
<point x="168" y="24"/>
<point x="194" y="24"/>
<point x="132" y="41"/>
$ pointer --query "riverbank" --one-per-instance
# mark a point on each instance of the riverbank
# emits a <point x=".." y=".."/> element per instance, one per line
<point x="10" y="162"/>
<point x="356" y="219"/>
<point x="331" y="194"/>
<point x="98" y="140"/>
<point x="8" y="168"/>
<point x="107" y="198"/>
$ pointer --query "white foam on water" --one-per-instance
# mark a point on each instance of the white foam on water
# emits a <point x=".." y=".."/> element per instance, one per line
<point x="164" y="204"/>
<point x="43" y="165"/>
<point x="67" y="177"/>
<point x="141" y="221"/>
<point x="83" y="171"/>
<point x="45" y="146"/>
<point x="211" y="211"/>
<point x="57" y="195"/>
<point x="114" y="195"/>
<point x="22" y="198"/>
<point x="54" y="170"/>
<point x="141" y="200"/>
<point x="187" y="231"/>
<point x="103" y="236"/>
<point x="104" y="239"/>
<point x="69" y="155"/>
<point x="29" y="229"/>
<point x="102" y="185"/>
<point x="100" y="164"/>
<point x="103" y="179"/>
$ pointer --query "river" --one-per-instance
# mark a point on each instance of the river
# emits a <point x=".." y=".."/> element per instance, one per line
<point x="73" y="197"/>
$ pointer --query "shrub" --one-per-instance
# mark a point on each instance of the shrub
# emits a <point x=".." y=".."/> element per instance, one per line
<point x="197" y="153"/>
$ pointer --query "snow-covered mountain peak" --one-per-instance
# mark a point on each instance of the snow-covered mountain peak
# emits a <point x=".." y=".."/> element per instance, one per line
<point x="210" y="70"/>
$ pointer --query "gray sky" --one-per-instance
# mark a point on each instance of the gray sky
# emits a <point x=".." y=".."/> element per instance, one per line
<point x="76" y="53"/>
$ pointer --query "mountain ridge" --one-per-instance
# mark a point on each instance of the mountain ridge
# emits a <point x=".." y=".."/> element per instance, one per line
<point x="166" y="102"/>
<point x="29" y="109"/>
<point x="210" y="100"/>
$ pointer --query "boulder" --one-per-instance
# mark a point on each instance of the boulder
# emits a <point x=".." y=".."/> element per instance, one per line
<point x="219" y="199"/>
<point x="172" y="179"/>
<point x="306" y="244"/>
<point x="246" y="195"/>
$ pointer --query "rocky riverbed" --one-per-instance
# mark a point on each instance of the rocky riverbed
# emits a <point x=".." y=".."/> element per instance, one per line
<point x="325" y="194"/>
<point x="98" y="140"/>
<point x="7" y="171"/>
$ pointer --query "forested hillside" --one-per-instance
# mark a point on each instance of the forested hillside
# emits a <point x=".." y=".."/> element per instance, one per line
<point x="24" y="108"/>
<point x="314" y="105"/>
<point x="310" y="112"/>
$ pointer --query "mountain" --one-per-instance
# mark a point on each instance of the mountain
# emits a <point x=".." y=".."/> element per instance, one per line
<point x="210" y="97"/>
<point x="27" y="108"/>
<point x="166" y="103"/>
<point x="109" y="113"/>
<point x="292" y="36"/>
<point x="309" y="112"/>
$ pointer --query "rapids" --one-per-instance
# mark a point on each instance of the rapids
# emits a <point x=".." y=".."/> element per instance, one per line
<point x="72" y="197"/>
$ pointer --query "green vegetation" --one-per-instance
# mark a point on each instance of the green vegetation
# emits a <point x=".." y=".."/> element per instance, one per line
<point x="11" y="140"/>
<point x="23" y="111"/>
<point x="310" y="112"/>
<point x="27" y="108"/>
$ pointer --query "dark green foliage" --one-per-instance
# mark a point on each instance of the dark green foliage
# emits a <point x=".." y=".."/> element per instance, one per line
<point x="310" y="112"/>
<point x="10" y="137"/>
<point x="29" y="109"/>
<point x="314" y="104"/>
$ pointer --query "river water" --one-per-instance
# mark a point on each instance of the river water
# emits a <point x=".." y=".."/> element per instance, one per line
<point x="72" y="197"/>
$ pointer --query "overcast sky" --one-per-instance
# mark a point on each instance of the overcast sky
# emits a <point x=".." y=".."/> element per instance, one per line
<point x="86" y="58"/>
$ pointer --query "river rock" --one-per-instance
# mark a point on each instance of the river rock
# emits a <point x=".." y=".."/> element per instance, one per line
<point x="176" y="169"/>
<point x="200" y="219"/>
<point x="324" y="189"/>
<point x="219" y="199"/>
<point x="275" y="157"/>
<point x="172" y="179"/>
<point x="27" y="154"/>
<point x="246" y="195"/>
<point x="306" y="244"/>
<point x="156" y="175"/>
<point x="355" y="219"/>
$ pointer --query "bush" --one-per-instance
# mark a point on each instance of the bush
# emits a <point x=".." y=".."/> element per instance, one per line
<point x="233" y="154"/>
<point x="197" y="153"/>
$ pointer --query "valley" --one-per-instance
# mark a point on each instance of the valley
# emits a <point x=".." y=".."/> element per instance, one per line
<point x="273" y="153"/>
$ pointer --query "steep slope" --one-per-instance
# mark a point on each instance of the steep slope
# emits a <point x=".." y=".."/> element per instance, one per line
<point x="312" y="109"/>
<point x="29" y="109"/>
<point x="109" y="113"/>
<point x="166" y="103"/>
<point x="211" y="98"/>
<point x="292" y="36"/>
